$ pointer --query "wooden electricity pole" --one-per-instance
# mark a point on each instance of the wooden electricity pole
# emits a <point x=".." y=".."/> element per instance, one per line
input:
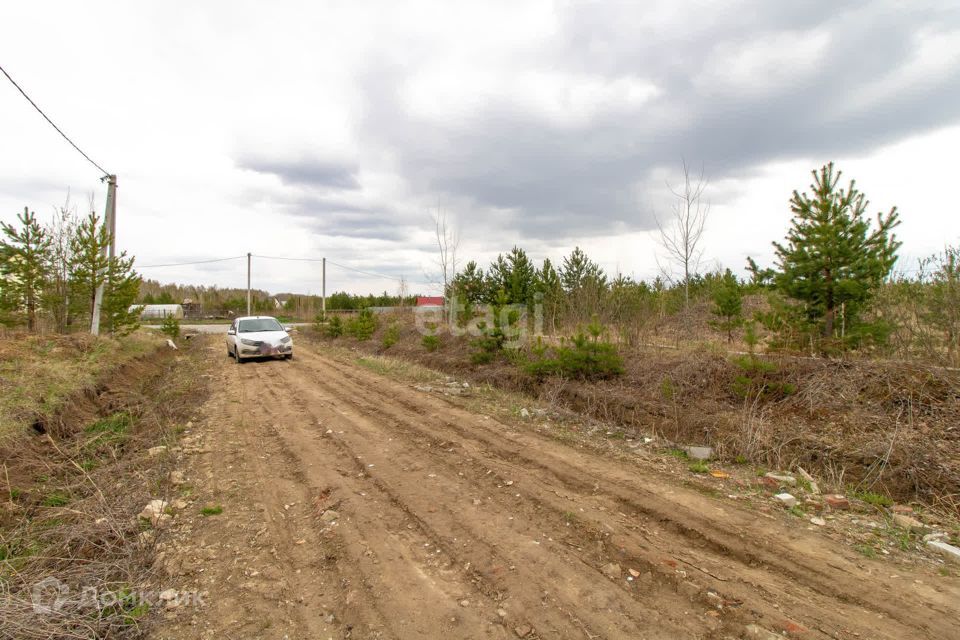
<point x="248" y="283"/>
<point x="323" y="292"/>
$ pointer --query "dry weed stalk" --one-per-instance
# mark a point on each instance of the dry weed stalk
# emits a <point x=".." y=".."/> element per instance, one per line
<point x="874" y="472"/>
<point x="753" y="429"/>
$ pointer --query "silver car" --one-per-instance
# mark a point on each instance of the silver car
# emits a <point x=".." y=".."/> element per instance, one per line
<point x="258" y="337"/>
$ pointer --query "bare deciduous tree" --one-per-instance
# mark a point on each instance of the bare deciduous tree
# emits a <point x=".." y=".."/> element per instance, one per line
<point x="681" y="236"/>
<point x="448" y="241"/>
<point x="403" y="291"/>
<point x="61" y="231"/>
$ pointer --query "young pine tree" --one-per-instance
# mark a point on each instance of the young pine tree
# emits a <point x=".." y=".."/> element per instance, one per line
<point x="579" y="271"/>
<point x="833" y="258"/>
<point x="92" y="268"/>
<point x="120" y="292"/>
<point x="727" y="304"/>
<point x="466" y="291"/>
<point x="24" y="266"/>
<point x="89" y="267"/>
<point x="584" y="284"/>
<point x="550" y="290"/>
<point x="522" y="277"/>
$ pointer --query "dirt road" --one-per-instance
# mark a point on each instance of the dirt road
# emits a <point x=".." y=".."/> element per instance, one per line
<point x="357" y="506"/>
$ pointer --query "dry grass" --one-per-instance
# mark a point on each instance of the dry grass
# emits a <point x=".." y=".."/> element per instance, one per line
<point x="37" y="373"/>
<point x="885" y="426"/>
<point x="70" y="498"/>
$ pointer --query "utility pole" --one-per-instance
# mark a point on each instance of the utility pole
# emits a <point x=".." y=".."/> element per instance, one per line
<point x="110" y="222"/>
<point x="323" y="292"/>
<point x="111" y="217"/>
<point x="248" y="283"/>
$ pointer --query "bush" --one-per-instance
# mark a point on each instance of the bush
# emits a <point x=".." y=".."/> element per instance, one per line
<point x="334" y="327"/>
<point x="492" y="339"/>
<point x="431" y="341"/>
<point x="756" y="379"/>
<point x="170" y="327"/>
<point x="587" y="357"/>
<point x="487" y="345"/>
<point x="363" y="325"/>
<point x="391" y="335"/>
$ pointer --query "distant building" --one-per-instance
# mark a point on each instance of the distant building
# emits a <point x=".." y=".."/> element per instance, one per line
<point x="429" y="301"/>
<point x="158" y="311"/>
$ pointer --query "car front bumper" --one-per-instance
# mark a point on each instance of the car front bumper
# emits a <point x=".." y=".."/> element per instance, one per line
<point x="253" y="351"/>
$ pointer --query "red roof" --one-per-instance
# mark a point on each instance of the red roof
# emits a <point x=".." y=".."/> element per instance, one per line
<point x="430" y="301"/>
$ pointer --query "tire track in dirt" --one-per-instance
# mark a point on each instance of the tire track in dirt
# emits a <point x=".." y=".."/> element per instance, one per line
<point x="481" y="553"/>
<point x="507" y="556"/>
<point x="679" y="586"/>
<point x="267" y="569"/>
<point x="367" y="614"/>
<point x="829" y="580"/>
<point x="405" y="571"/>
<point x="456" y="525"/>
<point x="500" y="543"/>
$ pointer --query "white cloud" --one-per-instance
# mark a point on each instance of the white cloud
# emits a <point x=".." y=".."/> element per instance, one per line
<point x="768" y="63"/>
<point x="443" y="92"/>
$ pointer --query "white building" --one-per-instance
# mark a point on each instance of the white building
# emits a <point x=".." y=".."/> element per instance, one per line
<point x="158" y="311"/>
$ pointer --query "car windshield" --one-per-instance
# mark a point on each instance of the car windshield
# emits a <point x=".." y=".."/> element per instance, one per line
<point x="259" y="324"/>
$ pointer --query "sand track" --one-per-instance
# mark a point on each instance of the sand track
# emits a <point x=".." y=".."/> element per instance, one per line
<point x="455" y="525"/>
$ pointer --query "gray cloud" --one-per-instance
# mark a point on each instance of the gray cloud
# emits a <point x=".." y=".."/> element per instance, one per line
<point x="333" y="216"/>
<point x="367" y="225"/>
<point x="547" y="180"/>
<point x="310" y="172"/>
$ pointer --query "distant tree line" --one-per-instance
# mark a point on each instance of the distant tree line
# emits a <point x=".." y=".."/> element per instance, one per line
<point x="49" y="274"/>
<point x="207" y="300"/>
<point x="831" y="289"/>
<point x="223" y="302"/>
<point x="343" y="301"/>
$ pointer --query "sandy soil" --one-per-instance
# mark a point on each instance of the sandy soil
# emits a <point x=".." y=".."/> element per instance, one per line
<point x="355" y="506"/>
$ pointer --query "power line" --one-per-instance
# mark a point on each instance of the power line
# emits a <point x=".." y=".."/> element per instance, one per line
<point x="290" y="259"/>
<point x="368" y="273"/>
<point x="181" y="264"/>
<point x="336" y="264"/>
<point x="45" y="117"/>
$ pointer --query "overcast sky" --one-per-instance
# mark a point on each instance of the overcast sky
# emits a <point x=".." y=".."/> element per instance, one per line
<point x="310" y="129"/>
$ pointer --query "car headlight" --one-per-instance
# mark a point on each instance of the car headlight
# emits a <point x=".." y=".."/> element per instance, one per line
<point x="284" y="339"/>
<point x="251" y="343"/>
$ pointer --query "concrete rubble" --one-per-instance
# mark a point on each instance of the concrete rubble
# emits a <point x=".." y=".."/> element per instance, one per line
<point x="786" y="499"/>
<point x="948" y="551"/>
<point x="782" y="478"/>
<point x="699" y="453"/>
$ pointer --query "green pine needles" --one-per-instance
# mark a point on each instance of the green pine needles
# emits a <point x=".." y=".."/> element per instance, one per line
<point x="833" y="260"/>
<point x="54" y="272"/>
<point x="585" y="356"/>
